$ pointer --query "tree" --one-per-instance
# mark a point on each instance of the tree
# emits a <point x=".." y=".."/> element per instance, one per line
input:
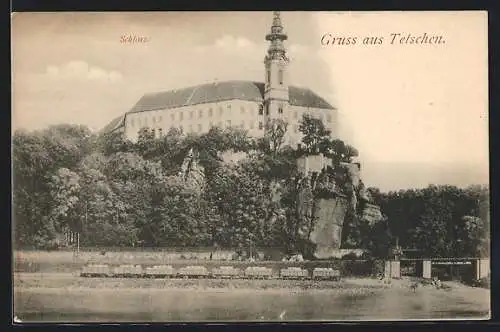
<point x="36" y="157"/>
<point x="274" y="136"/>
<point x="147" y="144"/>
<point x="337" y="150"/>
<point x="116" y="192"/>
<point x="437" y="220"/>
<point x="314" y="133"/>
<point x="30" y="200"/>
<point x="65" y="192"/>
<point x="113" y="142"/>
<point x="137" y="181"/>
<point x="66" y="144"/>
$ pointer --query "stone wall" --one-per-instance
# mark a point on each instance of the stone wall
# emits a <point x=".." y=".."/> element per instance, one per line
<point x="313" y="163"/>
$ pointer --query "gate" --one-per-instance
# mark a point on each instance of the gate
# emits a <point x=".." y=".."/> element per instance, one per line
<point x="454" y="269"/>
<point x="461" y="269"/>
<point x="411" y="267"/>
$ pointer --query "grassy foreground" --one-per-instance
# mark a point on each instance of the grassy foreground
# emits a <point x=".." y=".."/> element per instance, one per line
<point x="65" y="297"/>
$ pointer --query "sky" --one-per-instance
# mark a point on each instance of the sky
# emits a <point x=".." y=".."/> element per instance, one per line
<point x="418" y="114"/>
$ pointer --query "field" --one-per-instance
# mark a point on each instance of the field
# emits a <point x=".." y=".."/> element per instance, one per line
<point x="47" y="287"/>
<point x="66" y="297"/>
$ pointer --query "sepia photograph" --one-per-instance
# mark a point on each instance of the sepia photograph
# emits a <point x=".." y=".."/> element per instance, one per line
<point x="273" y="166"/>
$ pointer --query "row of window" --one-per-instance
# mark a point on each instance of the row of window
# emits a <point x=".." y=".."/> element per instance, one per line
<point x="199" y="128"/>
<point x="191" y="115"/>
<point x="140" y="122"/>
<point x="160" y="133"/>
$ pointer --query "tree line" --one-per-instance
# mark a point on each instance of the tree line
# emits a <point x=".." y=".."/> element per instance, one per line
<point x="115" y="192"/>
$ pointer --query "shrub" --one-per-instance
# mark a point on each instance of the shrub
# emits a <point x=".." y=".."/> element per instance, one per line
<point x="484" y="282"/>
<point x="350" y="256"/>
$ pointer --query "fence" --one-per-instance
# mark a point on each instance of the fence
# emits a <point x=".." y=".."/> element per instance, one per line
<point x="454" y="268"/>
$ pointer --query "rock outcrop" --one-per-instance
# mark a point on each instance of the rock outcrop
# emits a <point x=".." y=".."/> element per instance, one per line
<point x="192" y="173"/>
<point x="327" y="235"/>
<point x="337" y="189"/>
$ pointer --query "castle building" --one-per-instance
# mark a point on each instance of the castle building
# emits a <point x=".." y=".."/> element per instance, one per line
<point x="243" y="104"/>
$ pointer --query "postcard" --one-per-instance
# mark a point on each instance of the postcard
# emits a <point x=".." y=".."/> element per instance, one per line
<point x="250" y="166"/>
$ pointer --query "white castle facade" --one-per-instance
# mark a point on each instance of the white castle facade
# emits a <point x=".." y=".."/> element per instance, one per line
<point x="243" y="104"/>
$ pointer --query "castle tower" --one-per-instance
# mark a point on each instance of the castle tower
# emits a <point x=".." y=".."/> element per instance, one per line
<point x="276" y="98"/>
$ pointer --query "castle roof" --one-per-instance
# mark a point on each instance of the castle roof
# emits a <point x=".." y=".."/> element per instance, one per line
<point x="216" y="92"/>
<point x="114" y="124"/>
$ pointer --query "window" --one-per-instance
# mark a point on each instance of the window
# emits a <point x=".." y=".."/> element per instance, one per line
<point x="280" y="110"/>
<point x="267" y="109"/>
<point x="329" y="118"/>
<point x="210" y="112"/>
<point x="295" y="115"/>
<point x="145" y="121"/>
<point x="172" y="117"/>
<point x="251" y="125"/>
<point x="160" y="132"/>
<point x="261" y="109"/>
<point x="280" y="76"/>
<point x="181" y="116"/>
<point x="191" y="115"/>
<point x="242" y="108"/>
<point x="221" y="111"/>
<point x="190" y="128"/>
<point x="260" y="125"/>
<point x="154" y="119"/>
<point x="159" y="118"/>
<point x="229" y="106"/>
<point x="138" y="122"/>
<point x="268" y="76"/>
<point x="200" y="114"/>
<point x="200" y="128"/>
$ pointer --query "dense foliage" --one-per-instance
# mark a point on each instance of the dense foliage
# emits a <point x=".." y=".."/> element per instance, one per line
<point x="116" y="192"/>
<point x="439" y="220"/>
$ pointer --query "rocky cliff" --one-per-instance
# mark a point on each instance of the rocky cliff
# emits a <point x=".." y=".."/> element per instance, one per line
<point x="327" y="235"/>
<point x="337" y="189"/>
